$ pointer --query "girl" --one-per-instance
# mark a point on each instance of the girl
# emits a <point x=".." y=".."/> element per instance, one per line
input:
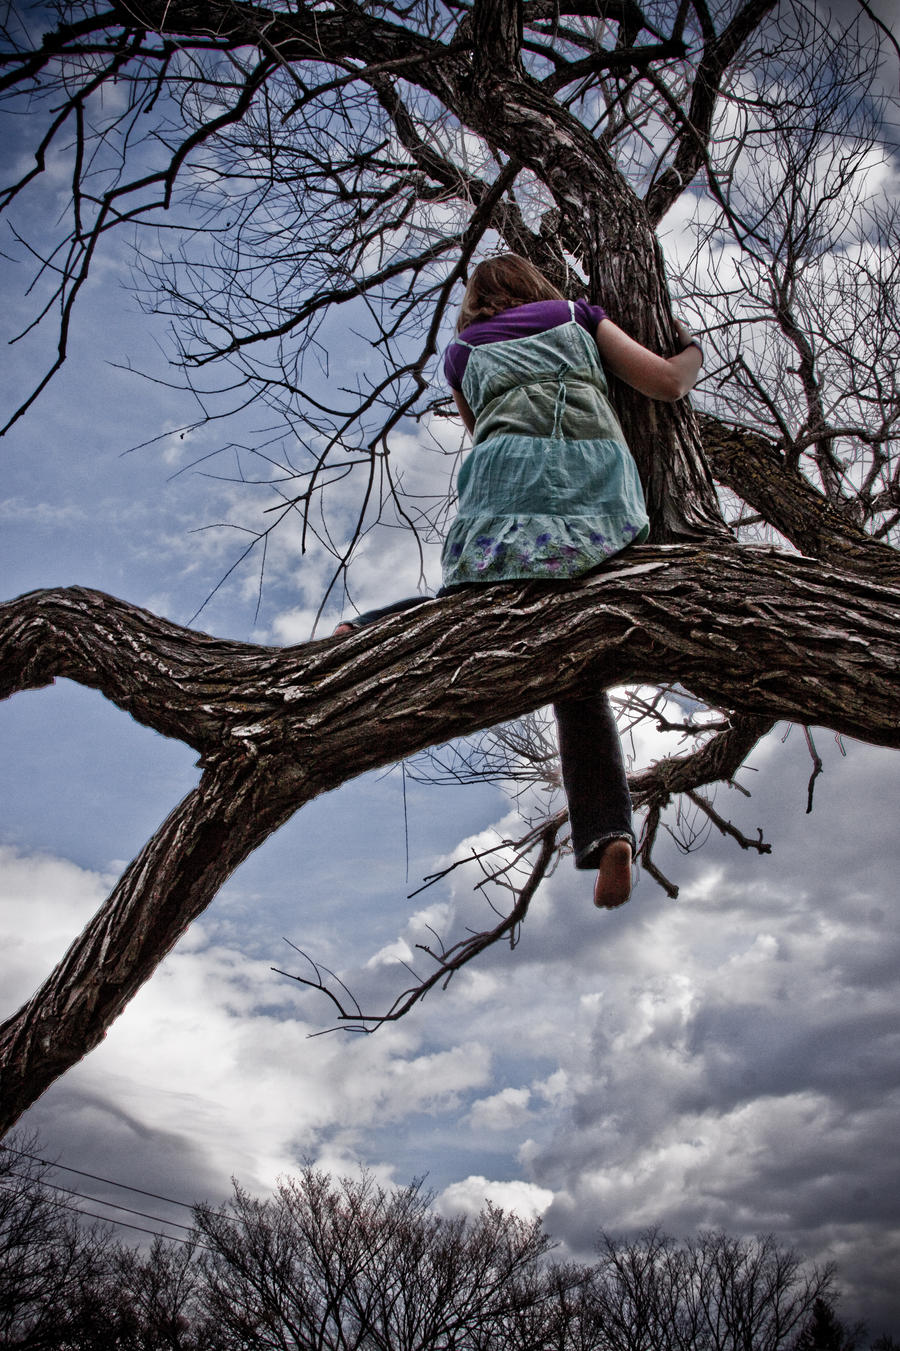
<point x="550" y="491"/>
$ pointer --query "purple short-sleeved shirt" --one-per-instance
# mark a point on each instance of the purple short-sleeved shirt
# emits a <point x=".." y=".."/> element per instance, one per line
<point x="520" y="322"/>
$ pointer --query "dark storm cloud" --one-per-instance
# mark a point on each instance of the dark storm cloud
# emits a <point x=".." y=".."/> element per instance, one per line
<point x="744" y="1067"/>
<point x="750" y="1051"/>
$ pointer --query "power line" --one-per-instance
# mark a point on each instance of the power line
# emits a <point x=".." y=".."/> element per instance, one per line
<point x="125" y="1186"/>
<point x="123" y="1224"/>
<point x="95" y="1177"/>
<point x="116" y="1205"/>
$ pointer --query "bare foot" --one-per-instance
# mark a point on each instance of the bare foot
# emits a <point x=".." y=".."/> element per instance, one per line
<point x="613" y="885"/>
<point x="342" y="629"/>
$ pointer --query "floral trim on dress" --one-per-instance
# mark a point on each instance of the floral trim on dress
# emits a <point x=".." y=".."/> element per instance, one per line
<point x="519" y="550"/>
<point x="550" y="489"/>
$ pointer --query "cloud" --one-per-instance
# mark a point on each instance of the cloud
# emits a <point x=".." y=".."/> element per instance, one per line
<point x="44" y="904"/>
<point x="211" y="1049"/>
<point x="53" y="514"/>
<point x="468" y="1197"/>
<point x="501" y="1111"/>
<point x="391" y="954"/>
<point x="727" y="1060"/>
<point x="735" y="1064"/>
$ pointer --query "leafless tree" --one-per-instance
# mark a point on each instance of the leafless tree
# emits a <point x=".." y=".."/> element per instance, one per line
<point x="295" y="170"/>
<point x="351" y="1265"/>
<point x="45" y="1260"/>
<point x="66" y="1285"/>
<point x="348" y="1264"/>
<point x="712" y="1293"/>
<point x="345" y="1264"/>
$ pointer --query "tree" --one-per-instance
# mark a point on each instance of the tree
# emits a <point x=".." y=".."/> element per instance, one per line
<point x="67" y="1286"/>
<point x="711" y="1293"/>
<point x="46" y="1262"/>
<point x="349" y="1264"/>
<point x="326" y="1263"/>
<point x="824" y="1331"/>
<point x="152" y="1301"/>
<point x="351" y="158"/>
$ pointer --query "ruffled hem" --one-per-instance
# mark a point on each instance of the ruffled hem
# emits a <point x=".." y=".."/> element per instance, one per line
<point x="505" y="549"/>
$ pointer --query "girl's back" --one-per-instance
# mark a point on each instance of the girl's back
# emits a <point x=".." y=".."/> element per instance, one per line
<point x="550" y="488"/>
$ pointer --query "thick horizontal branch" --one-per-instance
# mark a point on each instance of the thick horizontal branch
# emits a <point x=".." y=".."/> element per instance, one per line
<point x="767" y="634"/>
<point x="742" y="627"/>
<point x="171" y="678"/>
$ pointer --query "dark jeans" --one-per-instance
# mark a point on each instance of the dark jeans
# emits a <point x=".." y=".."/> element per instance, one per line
<point x="590" y="752"/>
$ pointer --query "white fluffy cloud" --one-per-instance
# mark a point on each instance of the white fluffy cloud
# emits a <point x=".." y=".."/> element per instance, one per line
<point x="211" y="1049"/>
<point x="44" y="904"/>
<point x="468" y="1197"/>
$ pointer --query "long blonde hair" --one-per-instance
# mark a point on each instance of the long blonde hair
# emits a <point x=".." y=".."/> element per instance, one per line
<point x="500" y="283"/>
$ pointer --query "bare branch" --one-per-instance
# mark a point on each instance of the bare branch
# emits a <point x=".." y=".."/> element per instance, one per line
<point x="447" y="961"/>
<point x="726" y="827"/>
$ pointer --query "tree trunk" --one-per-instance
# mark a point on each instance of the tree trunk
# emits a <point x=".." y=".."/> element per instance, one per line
<point x="480" y="80"/>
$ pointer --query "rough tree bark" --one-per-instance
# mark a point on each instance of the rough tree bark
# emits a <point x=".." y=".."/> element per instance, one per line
<point x="752" y="629"/>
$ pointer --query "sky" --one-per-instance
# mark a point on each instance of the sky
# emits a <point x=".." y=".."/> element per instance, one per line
<point x="726" y="1060"/>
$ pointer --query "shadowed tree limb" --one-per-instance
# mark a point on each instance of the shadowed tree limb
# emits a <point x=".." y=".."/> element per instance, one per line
<point x="448" y="960"/>
<point x="726" y="827"/>
<point x="752" y="466"/>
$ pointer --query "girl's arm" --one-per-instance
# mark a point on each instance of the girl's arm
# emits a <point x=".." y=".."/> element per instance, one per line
<point x="464" y="411"/>
<point x="665" y="378"/>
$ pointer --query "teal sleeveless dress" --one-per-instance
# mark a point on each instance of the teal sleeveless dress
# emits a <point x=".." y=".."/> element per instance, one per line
<point x="550" y="489"/>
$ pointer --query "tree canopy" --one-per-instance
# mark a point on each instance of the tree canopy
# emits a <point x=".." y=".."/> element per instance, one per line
<point x="292" y="173"/>
<point x="329" y="1262"/>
